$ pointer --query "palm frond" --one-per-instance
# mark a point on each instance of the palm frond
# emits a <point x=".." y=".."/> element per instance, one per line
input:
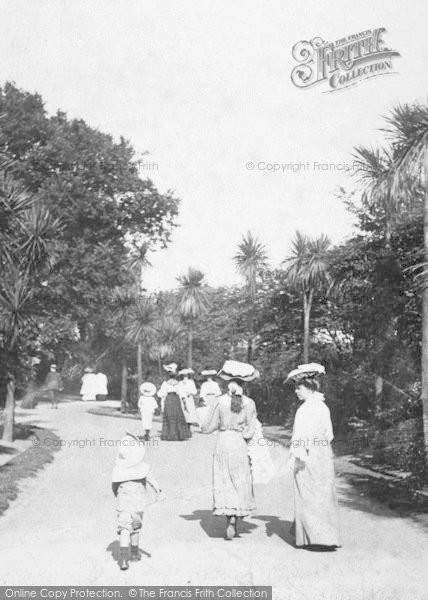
<point x="250" y="260"/>
<point x="308" y="263"/>
<point x="15" y="295"/>
<point x="141" y="321"/>
<point x="192" y="297"/>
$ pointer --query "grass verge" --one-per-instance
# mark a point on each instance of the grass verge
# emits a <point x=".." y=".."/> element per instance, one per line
<point x="26" y="464"/>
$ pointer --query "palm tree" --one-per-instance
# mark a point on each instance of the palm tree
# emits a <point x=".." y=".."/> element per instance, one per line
<point x="141" y="328"/>
<point x="123" y="299"/>
<point x="27" y="249"/>
<point x="308" y="272"/>
<point x="192" y="303"/>
<point x="137" y="263"/>
<point x="407" y="181"/>
<point x="250" y="260"/>
<point x="371" y="168"/>
<point x="168" y="334"/>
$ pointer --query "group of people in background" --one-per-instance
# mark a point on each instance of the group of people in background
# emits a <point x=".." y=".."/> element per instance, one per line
<point x="94" y="385"/>
<point x="177" y="395"/>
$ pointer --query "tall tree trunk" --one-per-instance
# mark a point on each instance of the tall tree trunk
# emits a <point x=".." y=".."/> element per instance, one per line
<point x="190" y="345"/>
<point x="139" y="365"/>
<point x="307" y="304"/>
<point x="424" y="357"/>
<point x="9" y="410"/>
<point x="124" y="386"/>
<point x="252" y="328"/>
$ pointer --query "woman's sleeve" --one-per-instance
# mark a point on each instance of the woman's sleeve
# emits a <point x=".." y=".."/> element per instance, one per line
<point x="250" y="420"/>
<point x="328" y="425"/>
<point x="212" y="422"/>
<point x="300" y="439"/>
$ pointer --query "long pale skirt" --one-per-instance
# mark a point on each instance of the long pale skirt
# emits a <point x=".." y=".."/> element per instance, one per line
<point x="204" y="409"/>
<point x="232" y="479"/>
<point x="315" y="502"/>
<point x="190" y="412"/>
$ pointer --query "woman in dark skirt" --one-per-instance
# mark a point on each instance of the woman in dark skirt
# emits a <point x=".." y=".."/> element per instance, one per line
<point x="174" y="426"/>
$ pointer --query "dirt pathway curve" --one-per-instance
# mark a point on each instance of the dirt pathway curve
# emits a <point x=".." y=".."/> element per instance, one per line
<point x="61" y="529"/>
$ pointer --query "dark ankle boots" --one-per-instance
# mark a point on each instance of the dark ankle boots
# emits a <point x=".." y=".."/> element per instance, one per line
<point x="124" y="558"/>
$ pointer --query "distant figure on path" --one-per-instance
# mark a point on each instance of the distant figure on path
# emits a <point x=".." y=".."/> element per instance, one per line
<point x="311" y="461"/>
<point x="53" y="385"/>
<point x="129" y="483"/>
<point x="174" y="426"/>
<point x="187" y="393"/>
<point x="147" y="405"/>
<point x="89" y="388"/>
<point x="102" y="386"/>
<point x="234" y="416"/>
<point x="210" y="390"/>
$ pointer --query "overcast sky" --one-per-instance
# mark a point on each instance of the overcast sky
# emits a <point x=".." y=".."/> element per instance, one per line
<point x="205" y="87"/>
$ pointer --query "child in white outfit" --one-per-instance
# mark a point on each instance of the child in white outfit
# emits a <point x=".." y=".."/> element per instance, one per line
<point x="147" y="404"/>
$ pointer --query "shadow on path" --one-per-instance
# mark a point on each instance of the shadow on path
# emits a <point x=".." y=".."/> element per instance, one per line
<point x="215" y="526"/>
<point x="276" y="526"/>
<point x="114" y="548"/>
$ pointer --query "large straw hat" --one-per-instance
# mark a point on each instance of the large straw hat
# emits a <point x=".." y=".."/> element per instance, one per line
<point x="129" y="463"/>
<point x="233" y="369"/>
<point x="209" y="372"/>
<point x="171" y="368"/>
<point x="187" y="371"/>
<point x="148" y="389"/>
<point x="304" y="371"/>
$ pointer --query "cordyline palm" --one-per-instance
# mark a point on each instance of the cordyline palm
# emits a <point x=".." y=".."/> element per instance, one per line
<point x="408" y="129"/>
<point x="123" y="300"/>
<point x="250" y="260"/>
<point x="137" y="263"/>
<point x="141" y="321"/>
<point x="168" y="334"/>
<point x="372" y="167"/>
<point x="27" y="232"/>
<point x="308" y="272"/>
<point x="192" y="303"/>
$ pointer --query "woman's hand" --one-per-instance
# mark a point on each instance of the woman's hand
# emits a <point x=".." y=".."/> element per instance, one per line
<point x="291" y="463"/>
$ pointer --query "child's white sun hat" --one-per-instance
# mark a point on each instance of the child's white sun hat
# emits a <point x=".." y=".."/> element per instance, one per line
<point x="130" y="465"/>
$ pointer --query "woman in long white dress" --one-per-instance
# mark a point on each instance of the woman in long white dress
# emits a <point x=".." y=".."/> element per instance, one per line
<point x="89" y="388"/>
<point x="187" y="392"/>
<point x="234" y="417"/>
<point x="311" y="461"/>
<point x="210" y="390"/>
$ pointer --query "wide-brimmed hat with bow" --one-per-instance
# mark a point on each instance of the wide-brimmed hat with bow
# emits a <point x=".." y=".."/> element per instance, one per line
<point x="130" y="463"/>
<point x="233" y="369"/>
<point x="306" y="371"/>
<point x="148" y="389"/>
